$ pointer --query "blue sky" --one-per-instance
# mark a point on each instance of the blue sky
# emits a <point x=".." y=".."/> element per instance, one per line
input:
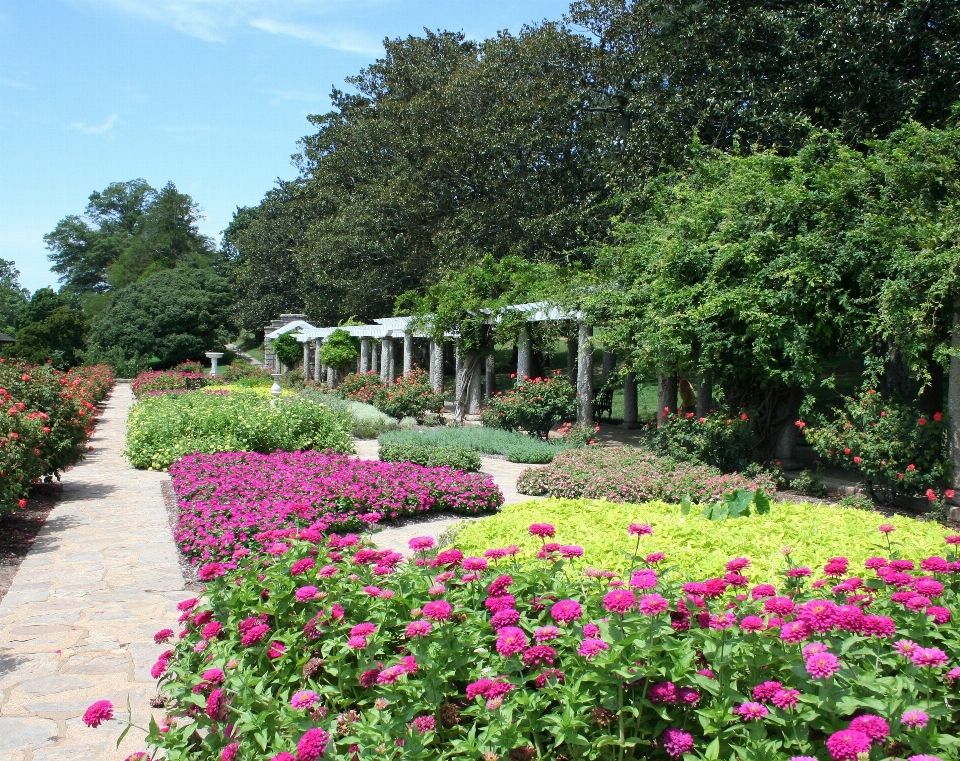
<point x="211" y="94"/>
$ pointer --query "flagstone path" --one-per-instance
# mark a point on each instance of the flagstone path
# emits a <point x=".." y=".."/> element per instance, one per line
<point x="77" y="624"/>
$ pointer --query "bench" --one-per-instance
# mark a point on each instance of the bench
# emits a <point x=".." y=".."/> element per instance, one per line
<point x="603" y="402"/>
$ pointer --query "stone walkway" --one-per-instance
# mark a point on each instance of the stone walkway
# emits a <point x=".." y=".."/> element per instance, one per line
<point x="504" y="475"/>
<point x="77" y="624"/>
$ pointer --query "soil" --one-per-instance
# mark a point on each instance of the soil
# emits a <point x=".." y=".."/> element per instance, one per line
<point x="19" y="529"/>
<point x="187" y="569"/>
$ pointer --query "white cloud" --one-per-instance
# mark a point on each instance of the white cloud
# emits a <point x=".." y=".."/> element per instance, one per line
<point x="13" y="83"/>
<point x="284" y="96"/>
<point x="338" y="39"/>
<point x="211" y="20"/>
<point x="96" y="129"/>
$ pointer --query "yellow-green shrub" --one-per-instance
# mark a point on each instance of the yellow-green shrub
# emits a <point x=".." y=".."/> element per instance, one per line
<point x="700" y="548"/>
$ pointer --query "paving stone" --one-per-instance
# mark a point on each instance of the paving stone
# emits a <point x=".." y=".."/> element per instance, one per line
<point x="18" y="733"/>
<point x="49" y="685"/>
<point x="102" y="665"/>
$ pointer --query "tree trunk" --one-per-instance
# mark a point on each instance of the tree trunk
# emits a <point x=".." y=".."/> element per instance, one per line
<point x="584" y="374"/>
<point x="491" y="376"/>
<point x="609" y="362"/>
<point x="705" y="394"/>
<point x="666" y="395"/>
<point x="468" y="377"/>
<point x="953" y="396"/>
<point x="436" y="366"/>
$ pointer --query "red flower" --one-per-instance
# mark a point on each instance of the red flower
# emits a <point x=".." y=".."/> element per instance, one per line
<point x="937" y="416"/>
<point x="922" y="421"/>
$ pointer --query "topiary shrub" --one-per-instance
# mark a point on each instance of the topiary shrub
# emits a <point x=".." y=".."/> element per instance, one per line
<point x="340" y="351"/>
<point x="534" y="405"/>
<point x="459" y="458"/>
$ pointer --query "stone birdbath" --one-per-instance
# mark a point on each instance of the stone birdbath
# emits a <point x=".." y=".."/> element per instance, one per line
<point x="213" y="356"/>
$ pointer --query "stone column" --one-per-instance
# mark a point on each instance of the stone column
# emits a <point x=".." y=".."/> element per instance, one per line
<point x="572" y="359"/>
<point x="523" y="353"/>
<point x="584" y="373"/>
<point x="374" y="356"/>
<point x="392" y="361"/>
<point x="331" y="378"/>
<point x="436" y="365"/>
<point x="306" y="360"/>
<point x="630" y="412"/>
<point x="364" y="355"/>
<point x="490" y="386"/>
<point x="317" y="364"/>
<point x="407" y="352"/>
<point x="385" y="352"/>
<point x="457" y="375"/>
<point x="609" y="362"/>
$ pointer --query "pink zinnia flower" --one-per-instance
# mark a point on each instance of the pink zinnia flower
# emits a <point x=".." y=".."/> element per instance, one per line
<point x="915" y="719"/>
<point x="542" y="530"/>
<point x="620" y="601"/>
<point x="752" y="624"/>
<point x="510" y="641"/>
<point x="676" y="742"/>
<point x="886" y="528"/>
<point x="391" y="674"/>
<point x="652" y="605"/>
<point x="357" y="643"/>
<point x="304" y="699"/>
<point x="929" y="656"/>
<point x="766" y="690"/>
<point x="162" y="636"/>
<point x="418" y="629"/>
<point x="847" y="744"/>
<point x="302" y="566"/>
<point x="639" y="529"/>
<point x="419" y="543"/>
<point x="306" y="593"/>
<point x="566" y="611"/>
<point x="98" y="713"/>
<point x="539" y="655"/>
<point x="589" y="648"/>
<point x="751" y="711"/>
<point x="872" y="726"/>
<point x="499" y="585"/>
<point x="571" y="551"/>
<point x="822" y="665"/>
<point x="645" y="579"/>
<point x="545" y="633"/>
<point x="312" y="745"/>
<point x="737" y="564"/>
<point x="277" y="649"/>
<point x="437" y="610"/>
<point x="363" y="630"/>
<point x="654" y="558"/>
<point x="423" y="724"/>
<point x="785" y="699"/>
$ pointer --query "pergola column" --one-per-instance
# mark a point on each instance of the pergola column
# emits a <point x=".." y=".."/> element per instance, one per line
<point x="630" y="411"/>
<point x="364" y="355"/>
<point x="436" y="366"/>
<point x="609" y="362"/>
<point x="331" y="378"/>
<point x="392" y="361"/>
<point x="317" y="364"/>
<point x="385" y="352"/>
<point x="457" y="379"/>
<point x="306" y="360"/>
<point x="584" y="373"/>
<point x="407" y="352"/>
<point x="490" y="385"/>
<point x="374" y="356"/>
<point x="523" y="353"/>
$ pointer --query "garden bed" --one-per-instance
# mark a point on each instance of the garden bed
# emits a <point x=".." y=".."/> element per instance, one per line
<point x="230" y="502"/>
<point x="329" y="648"/>
<point x="515" y="447"/>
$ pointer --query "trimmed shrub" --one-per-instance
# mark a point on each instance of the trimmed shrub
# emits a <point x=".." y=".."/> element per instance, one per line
<point x="535" y="405"/>
<point x="233" y="502"/>
<point x="162" y="381"/>
<point x="517" y="447"/>
<point x="366" y="421"/>
<point x="458" y="458"/>
<point x="327" y="647"/>
<point x="410" y="396"/>
<point x="162" y="428"/>
<point x="340" y="350"/>
<point x="244" y="374"/>
<point x="288" y="350"/>
<point x="632" y="474"/>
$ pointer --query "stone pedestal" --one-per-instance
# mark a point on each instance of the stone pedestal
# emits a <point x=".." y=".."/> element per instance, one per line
<point x="213" y="356"/>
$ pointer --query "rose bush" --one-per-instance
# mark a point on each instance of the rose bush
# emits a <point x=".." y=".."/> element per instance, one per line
<point x="329" y="648"/>
<point x="47" y="417"/>
<point x="359" y="387"/>
<point x="894" y="447"/>
<point x="534" y="405"/>
<point x="228" y="501"/>
<point x="411" y="395"/>
<point x="631" y="474"/>
<point x="716" y="440"/>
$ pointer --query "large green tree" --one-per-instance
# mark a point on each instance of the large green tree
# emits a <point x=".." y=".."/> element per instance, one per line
<point x="13" y="297"/>
<point x="166" y="318"/>
<point x="128" y="231"/>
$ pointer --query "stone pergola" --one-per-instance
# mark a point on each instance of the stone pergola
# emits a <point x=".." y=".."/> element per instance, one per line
<point x="379" y="353"/>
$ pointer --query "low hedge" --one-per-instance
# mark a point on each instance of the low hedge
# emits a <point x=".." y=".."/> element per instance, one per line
<point x="516" y="447"/>
<point x="459" y="458"/>
<point x="163" y="381"/>
<point x="46" y="417"/>
<point x="699" y="548"/>
<point x="633" y="474"/>
<point x="162" y="428"/>
<point x="366" y="421"/>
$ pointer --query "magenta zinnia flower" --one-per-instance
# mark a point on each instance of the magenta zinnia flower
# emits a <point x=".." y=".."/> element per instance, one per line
<point x="98" y="713"/>
<point x="423" y="724"/>
<point x="312" y="745"/>
<point x="418" y="629"/>
<point x="304" y="699"/>
<point x="620" y="601"/>
<point x="639" y="529"/>
<point x="873" y="726"/>
<point x="589" y="648"/>
<point x="653" y="605"/>
<point x="566" y="611"/>
<point x="785" y="699"/>
<point x="437" y="610"/>
<point x="822" y="665"/>
<point x="847" y="744"/>
<point x="676" y="742"/>
<point x="542" y="530"/>
<point x="510" y="641"/>
<point x="751" y="711"/>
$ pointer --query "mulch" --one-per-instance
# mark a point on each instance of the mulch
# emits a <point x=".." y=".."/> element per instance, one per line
<point x="19" y="529"/>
